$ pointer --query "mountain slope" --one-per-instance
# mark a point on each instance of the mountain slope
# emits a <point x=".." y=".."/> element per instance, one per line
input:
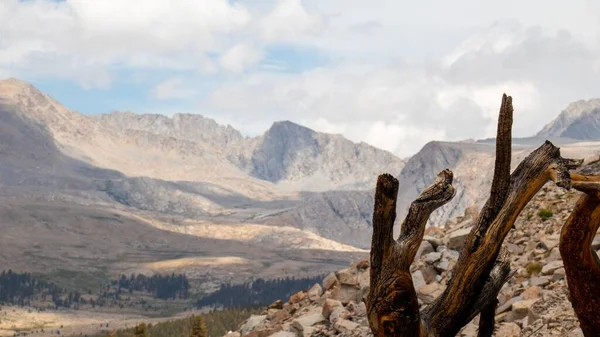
<point x="292" y="156"/>
<point x="473" y="165"/>
<point x="82" y="183"/>
<point x="580" y="120"/>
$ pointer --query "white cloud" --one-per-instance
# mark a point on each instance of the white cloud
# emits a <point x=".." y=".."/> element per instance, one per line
<point x="239" y="57"/>
<point x="172" y="88"/>
<point x="289" y="20"/>
<point x="114" y="34"/>
<point x="399" y="73"/>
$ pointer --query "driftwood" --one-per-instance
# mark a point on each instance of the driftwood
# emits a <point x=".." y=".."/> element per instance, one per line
<point x="581" y="263"/>
<point x="482" y="268"/>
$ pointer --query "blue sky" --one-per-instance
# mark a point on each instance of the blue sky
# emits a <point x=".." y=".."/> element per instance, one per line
<point x="394" y="74"/>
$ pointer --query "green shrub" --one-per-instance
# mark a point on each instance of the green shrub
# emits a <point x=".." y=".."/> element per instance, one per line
<point x="534" y="268"/>
<point x="545" y="214"/>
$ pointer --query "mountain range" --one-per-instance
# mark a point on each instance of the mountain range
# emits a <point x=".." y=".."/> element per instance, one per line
<point x="123" y="192"/>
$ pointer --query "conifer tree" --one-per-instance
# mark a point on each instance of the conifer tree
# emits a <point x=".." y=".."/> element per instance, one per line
<point x="198" y="327"/>
<point x="141" y="330"/>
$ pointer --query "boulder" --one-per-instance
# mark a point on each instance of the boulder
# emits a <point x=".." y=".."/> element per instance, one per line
<point x="299" y="296"/>
<point x="347" y="277"/>
<point x="549" y="268"/>
<point x="457" y="238"/>
<point x="418" y="279"/>
<point x="432" y="257"/>
<point x="424" y="249"/>
<point x="253" y="323"/>
<point x="339" y="313"/>
<point x="559" y="274"/>
<point x="303" y="325"/>
<point x="314" y="294"/>
<point x="329" y="306"/>
<point x="345" y="326"/>
<point x="330" y="281"/>
<point x="429" y="274"/>
<point x="541" y="281"/>
<point x="428" y="293"/>
<point x="433" y="241"/>
<point x="346" y="293"/>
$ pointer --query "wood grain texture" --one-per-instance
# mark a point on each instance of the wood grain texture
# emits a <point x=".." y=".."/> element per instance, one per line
<point x="581" y="263"/>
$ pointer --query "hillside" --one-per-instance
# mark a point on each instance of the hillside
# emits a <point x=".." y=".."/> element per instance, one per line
<point x="143" y="193"/>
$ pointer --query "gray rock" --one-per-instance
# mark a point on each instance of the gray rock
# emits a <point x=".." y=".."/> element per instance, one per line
<point x="330" y="281"/>
<point x="429" y="274"/>
<point x="253" y="323"/>
<point x="424" y="248"/>
<point x="347" y="277"/>
<point x="549" y="268"/>
<point x="339" y="313"/>
<point x="329" y="306"/>
<point x="303" y="324"/>
<point x="432" y="257"/>
<point x="345" y="326"/>
<point x="433" y="241"/>
<point x="428" y="293"/>
<point x="541" y="281"/>
<point x="508" y="305"/>
<point x="457" y="238"/>
<point x="559" y="274"/>
<point x="418" y="279"/>
<point x="442" y="265"/>
<point x="346" y="293"/>
<point x="314" y="294"/>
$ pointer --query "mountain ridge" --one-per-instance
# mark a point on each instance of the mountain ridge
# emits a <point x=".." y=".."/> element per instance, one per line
<point x="574" y="119"/>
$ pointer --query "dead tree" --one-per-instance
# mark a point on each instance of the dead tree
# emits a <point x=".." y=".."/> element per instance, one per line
<point x="581" y="263"/>
<point x="482" y="267"/>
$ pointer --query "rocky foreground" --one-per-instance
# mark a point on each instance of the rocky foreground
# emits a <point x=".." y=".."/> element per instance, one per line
<point x="533" y="303"/>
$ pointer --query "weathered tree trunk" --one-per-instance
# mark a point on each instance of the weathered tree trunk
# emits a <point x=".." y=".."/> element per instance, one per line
<point x="581" y="263"/>
<point x="481" y="269"/>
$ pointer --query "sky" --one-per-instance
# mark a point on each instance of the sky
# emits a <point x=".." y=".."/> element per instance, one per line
<point x="395" y="74"/>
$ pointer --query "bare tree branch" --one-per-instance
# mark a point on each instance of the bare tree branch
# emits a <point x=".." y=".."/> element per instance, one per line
<point x="581" y="263"/>
<point x="392" y="304"/>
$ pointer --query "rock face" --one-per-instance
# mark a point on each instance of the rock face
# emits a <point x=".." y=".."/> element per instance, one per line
<point x="532" y="303"/>
<point x="580" y="120"/>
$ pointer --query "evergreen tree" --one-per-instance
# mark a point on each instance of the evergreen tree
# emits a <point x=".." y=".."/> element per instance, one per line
<point x="198" y="328"/>
<point x="141" y="330"/>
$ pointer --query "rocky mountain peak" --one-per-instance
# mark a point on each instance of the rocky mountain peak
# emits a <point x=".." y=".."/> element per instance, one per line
<point x="183" y="126"/>
<point x="572" y="119"/>
<point x="288" y="151"/>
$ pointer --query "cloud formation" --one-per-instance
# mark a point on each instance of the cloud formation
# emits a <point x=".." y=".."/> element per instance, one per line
<point x="395" y="74"/>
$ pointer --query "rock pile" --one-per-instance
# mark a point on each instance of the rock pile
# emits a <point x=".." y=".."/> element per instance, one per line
<point x="533" y="303"/>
